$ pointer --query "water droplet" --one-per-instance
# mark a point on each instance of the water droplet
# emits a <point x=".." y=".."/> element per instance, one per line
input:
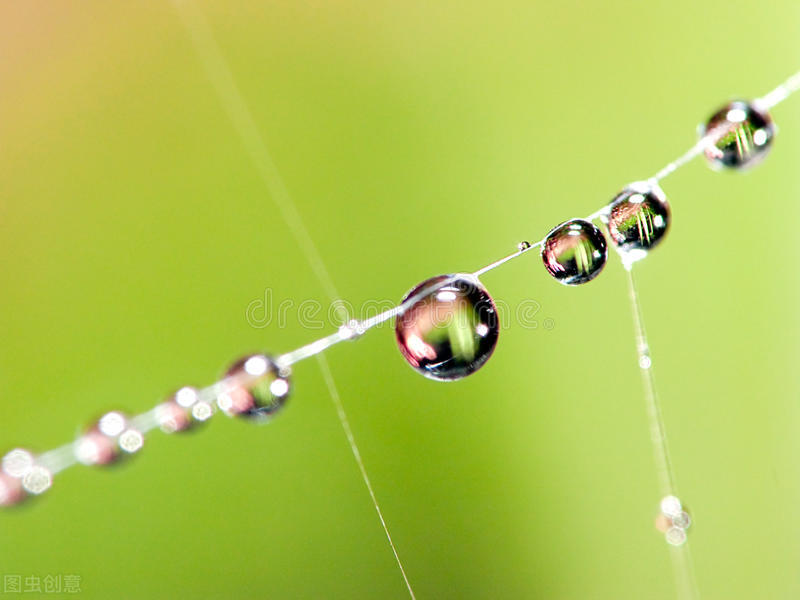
<point x="670" y="506"/>
<point x="675" y="536"/>
<point x="104" y="441"/>
<point x="451" y="330"/>
<point x="17" y="462"/>
<point x="742" y="134"/>
<point x="202" y="411"/>
<point x="131" y="441"/>
<point x="257" y="388"/>
<point x="186" y="396"/>
<point x="173" y="417"/>
<point x="523" y="246"/>
<point x="37" y="480"/>
<point x="574" y="252"/>
<point x="682" y="520"/>
<point x="638" y="219"/>
<point x="176" y="413"/>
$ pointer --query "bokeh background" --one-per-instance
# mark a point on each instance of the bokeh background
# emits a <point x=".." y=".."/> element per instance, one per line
<point x="415" y="139"/>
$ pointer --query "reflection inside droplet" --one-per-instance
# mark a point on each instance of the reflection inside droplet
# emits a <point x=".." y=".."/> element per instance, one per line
<point x="449" y="331"/>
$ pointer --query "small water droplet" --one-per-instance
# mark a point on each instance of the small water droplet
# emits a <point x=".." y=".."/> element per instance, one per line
<point x="257" y="389"/>
<point x="131" y="440"/>
<point x="574" y="252"/>
<point x="682" y="520"/>
<point x="103" y="441"/>
<point x="37" y="480"/>
<point x="451" y="331"/>
<point x="638" y="219"/>
<point x="742" y="135"/>
<point x="17" y="462"/>
<point x="676" y="536"/>
<point x="670" y="506"/>
<point x="202" y="411"/>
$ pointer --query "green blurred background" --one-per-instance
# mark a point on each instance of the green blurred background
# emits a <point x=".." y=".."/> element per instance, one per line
<point x="415" y="139"/>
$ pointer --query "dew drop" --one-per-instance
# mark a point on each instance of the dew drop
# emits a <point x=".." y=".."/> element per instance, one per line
<point x="106" y="440"/>
<point x="638" y="219"/>
<point x="675" y="536"/>
<point x="202" y="411"/>
<point x="17" y="462"/>
<point x="131" y="440"/>
<point x="742" y="135"/>
<point x="450" y="330"/>
<point x="173" y="417"/>
<point x="257" y="389"/>
<point x="682" y="520"/>
<point x="670" y="506"/>
<point x="177" y="412"/>
<point x="574" y="252"/>
<point x="37" y="480"/>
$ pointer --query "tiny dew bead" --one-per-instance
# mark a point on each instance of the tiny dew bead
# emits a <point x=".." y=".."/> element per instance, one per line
<point x="17" y="462"/>
<point x="574" y="252"/>
<point x="741" y="133"/>
<point x="673" y="520"/>
<point x="21" y="476"/>
<point x="257" y="388"/>
<point x="37" y="480"/>
<point x="107" y="440"/>
<point x="638" y="219"/>
<point x="450" y="331"/>
<point x="177" y="412"/>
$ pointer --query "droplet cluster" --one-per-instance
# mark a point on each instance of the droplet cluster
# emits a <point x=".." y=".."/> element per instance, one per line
<point x="673" y="520"/>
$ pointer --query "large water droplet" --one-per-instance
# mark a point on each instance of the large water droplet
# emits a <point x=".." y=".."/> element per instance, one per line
<point x="574" y="252"/>
<point x="450" y="330"/>
<point x="742" y="134"/>
<point x="638" y="219"/>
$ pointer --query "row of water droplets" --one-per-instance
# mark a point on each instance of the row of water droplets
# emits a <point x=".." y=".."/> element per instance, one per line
<point x="446" y="326"/>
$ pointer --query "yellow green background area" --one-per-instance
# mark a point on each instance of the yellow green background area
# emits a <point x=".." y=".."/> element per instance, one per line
<point x="415" y="139"/>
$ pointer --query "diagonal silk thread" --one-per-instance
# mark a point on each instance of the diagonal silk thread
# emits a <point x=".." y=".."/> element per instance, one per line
<point x="232" y="100"/>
